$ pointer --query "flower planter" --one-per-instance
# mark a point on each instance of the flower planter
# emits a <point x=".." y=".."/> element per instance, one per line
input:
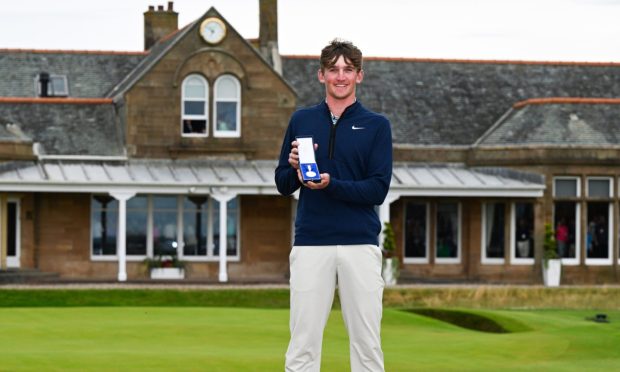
<point x="523" y="248"/>
<point x="167" y="273"/>
<point x="551" y="273"/>
<point x="388" y="272"/>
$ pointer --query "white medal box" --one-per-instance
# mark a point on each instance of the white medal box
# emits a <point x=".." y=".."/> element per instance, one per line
<point x="307" y="161"/>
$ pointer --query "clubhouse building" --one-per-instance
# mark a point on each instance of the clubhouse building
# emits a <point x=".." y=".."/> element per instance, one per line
<point x="109" y="158"/>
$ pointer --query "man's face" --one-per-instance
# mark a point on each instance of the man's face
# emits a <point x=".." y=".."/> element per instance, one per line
<point x="340" y="79"/>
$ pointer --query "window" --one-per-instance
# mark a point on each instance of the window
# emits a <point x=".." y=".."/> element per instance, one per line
<point x="447" y="242"/>
<point x="195" y="112"/>
<point x="227" y="107"/>
<point x="137" y="224"/>
<point x="566" y="211"/>
<point x="566" y="187"/>
<point x="187" y="226"/>
<point x="104" y="218"/>
<point x="522" y="246"/>
<point x="196" y="233"/>
<point x="493" y="232"/>
<point x="13" y="235"/>
<point x="599" y="221"/>
<point x="416" y="232"/>
<point x="56" y="85"/>
<point x="165" y="240"/>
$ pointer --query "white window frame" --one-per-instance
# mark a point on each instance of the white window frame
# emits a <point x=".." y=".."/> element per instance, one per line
<point x="513" y="234"/>
<point x="204" y="117"/>
<point x="577" y="259"/>
<point x="426" y="258"/>
<point x="483" y="251"/>
<point x="210" y="257"/>
<point x="94" y="257"/>
<point x="227" y="133"/>
<point x="149" y="230"/>
<point x="611" y="186"/>
<point x="562" y="178"/>
<point x="450" y="260"/>
<point x="50" y="86"/>
<point x="610" y="224"/>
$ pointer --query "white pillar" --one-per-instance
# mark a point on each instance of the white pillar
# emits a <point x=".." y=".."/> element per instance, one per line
<point x="222" y="195"/>
<point x="384" y="214"/>
<point x="121" y="235"/>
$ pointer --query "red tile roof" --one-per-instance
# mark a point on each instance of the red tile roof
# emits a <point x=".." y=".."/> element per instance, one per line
<point x="472" y="61"/>
<point x="61" y="100"/>
<point x="572" y="100"/>
<point x="44" y="51"/>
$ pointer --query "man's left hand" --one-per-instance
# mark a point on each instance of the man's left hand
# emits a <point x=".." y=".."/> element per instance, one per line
<point x="313" y="185"/>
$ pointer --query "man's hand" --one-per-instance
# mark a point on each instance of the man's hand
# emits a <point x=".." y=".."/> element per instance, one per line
<point x="293" y="156"/>
<point x="313" y="185"/>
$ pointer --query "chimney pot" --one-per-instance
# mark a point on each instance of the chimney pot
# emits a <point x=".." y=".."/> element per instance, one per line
<point x="151" y="8"/>
<point x="170" y="6"/>
<point x="268" y="30"/>
<point x="160" y="8"/>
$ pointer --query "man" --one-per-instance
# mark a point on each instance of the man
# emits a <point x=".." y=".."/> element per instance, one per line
<point x="337" y="227"/>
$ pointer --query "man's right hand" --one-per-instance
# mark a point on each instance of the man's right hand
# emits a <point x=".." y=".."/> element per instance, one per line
<point x="293" y="156"/>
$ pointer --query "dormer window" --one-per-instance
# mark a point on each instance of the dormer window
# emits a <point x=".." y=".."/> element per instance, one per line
<point x="195" y="110"/>
<point x="49" y="85"/>
<point x="227" y="107"/>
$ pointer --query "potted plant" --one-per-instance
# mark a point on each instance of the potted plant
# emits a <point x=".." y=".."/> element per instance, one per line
<point x="390" y="270"/>
<point x="165" y="267"/>
<point x="552" y="264"/>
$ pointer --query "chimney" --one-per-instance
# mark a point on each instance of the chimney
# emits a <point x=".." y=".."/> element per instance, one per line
<point x="268" y="33"/>
<point x="159" y="23"/>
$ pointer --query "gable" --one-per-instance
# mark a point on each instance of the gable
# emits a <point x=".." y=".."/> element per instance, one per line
<point x="156" y="121"/>
<point x="189" y="41"/>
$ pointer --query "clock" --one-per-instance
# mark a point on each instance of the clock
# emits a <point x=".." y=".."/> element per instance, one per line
<point x="212" y="30"/>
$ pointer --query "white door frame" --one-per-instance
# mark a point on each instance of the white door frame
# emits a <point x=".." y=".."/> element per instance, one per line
<point x="14" y="261"/>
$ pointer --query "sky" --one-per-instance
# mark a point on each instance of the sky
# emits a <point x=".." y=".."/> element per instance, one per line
<point x="534" y="30"/>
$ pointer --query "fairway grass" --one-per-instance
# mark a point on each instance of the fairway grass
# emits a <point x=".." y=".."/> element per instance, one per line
<point x="243" y="339"/>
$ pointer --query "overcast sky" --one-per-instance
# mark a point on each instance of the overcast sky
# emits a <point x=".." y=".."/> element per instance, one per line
<point x="558" y="30"/>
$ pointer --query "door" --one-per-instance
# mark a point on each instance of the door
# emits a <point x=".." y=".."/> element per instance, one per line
<point x="12" y="233"/>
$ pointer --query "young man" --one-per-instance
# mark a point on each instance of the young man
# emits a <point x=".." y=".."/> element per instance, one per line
<point x="337" y="228"/>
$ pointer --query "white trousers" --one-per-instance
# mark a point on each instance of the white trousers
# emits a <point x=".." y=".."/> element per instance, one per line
<point x="315" y="270"/>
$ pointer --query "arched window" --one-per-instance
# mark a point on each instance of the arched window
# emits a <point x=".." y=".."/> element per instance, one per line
<point x="227" y="107"/>
<point x="195" y="108"/>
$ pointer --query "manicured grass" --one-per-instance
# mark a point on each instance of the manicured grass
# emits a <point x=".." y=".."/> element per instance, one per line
<point x="243" y="339"/>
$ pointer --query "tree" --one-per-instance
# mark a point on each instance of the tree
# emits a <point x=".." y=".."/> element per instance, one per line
<point x="549" y="247"/>
<point x="389" y="243"/>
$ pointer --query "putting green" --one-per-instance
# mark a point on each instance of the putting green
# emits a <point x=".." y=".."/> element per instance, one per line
<point x="238" y="339"/>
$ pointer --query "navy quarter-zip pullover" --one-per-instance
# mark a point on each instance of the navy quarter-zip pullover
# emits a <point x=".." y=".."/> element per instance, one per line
<point x="357" y="154"/>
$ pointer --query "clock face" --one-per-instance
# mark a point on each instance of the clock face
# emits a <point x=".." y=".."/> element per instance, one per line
<point x="212" y="30"/>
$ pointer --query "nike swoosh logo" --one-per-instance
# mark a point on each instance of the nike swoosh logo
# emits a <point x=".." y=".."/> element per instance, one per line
<point x="357" y="128"/>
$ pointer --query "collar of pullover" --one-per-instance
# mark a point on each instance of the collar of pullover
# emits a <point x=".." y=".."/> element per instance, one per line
<point x="347" y="111"/>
